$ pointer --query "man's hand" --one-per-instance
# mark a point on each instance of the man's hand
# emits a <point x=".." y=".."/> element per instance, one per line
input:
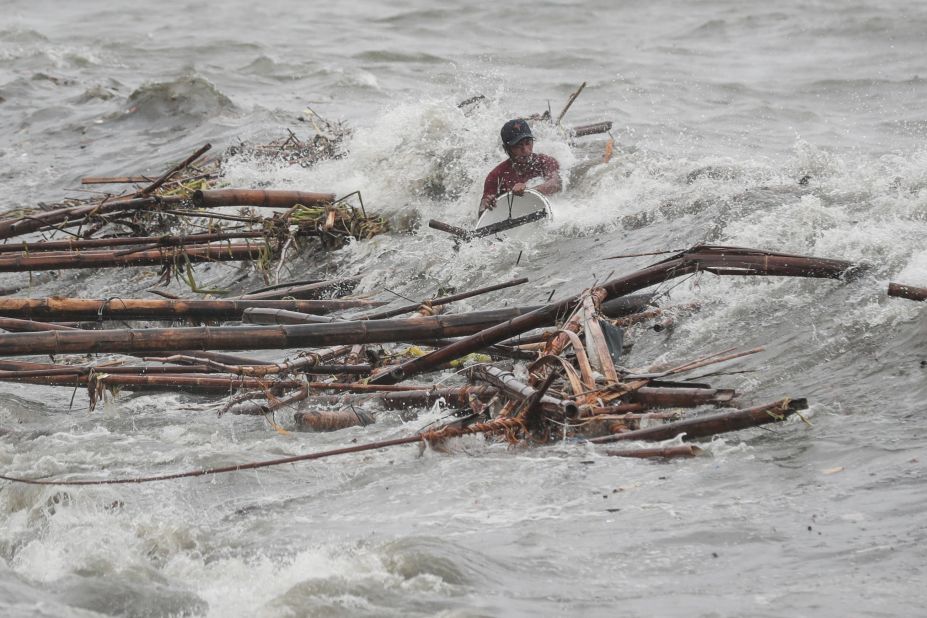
<point x="519" y="188"/>
<point x="487" y="203"/>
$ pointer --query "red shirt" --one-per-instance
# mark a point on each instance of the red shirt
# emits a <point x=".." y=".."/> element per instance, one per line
<point x="504" y="176"/>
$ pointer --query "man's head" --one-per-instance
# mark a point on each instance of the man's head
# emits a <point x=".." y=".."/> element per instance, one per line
<point x="515" y="131"/>
<point x="517" y="140"/>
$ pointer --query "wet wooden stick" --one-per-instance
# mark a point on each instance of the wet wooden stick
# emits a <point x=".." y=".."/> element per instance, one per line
<point x="570" y="102"/>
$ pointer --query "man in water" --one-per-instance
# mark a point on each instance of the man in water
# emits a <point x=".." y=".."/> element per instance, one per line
<point x="522" y="165"/>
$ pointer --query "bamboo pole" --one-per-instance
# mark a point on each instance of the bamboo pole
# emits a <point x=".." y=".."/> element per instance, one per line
<point x="251" y="337"/>
<point x="704" y="426"/>
<point x="75" y="309"/>
<point x="185" y="382"/>
<point x="664" y="452"/>
<point x="110" y="259"/>
<point x="652" y="397"/>
<point x="259" y="198"/>
<point x="147" y="241"/>
<point x="332" y="420"/>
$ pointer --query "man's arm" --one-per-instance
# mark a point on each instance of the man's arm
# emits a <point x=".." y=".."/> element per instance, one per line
<point x="552" y="182"/>
<point x="490" y="191"/>
<point x="487" y="203"/>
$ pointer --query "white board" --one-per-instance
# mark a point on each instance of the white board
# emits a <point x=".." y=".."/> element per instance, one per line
<point x="510" y="206"/>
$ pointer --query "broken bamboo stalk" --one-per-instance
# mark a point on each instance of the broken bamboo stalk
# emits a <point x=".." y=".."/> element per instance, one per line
<point x="900" y="290"/>
<point x="569" y="102"/>
<point x="704" y="426"/>
<point x="324" y="421"/>
<point x="513" y="388"/>
<point x="180" y="166"/>
<point x="591" y="129"/>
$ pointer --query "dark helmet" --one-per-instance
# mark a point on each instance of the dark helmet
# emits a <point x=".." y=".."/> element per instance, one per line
<point x="514" y="131"/>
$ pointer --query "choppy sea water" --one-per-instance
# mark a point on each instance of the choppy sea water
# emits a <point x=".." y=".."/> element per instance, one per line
<point x="720" y="109"/>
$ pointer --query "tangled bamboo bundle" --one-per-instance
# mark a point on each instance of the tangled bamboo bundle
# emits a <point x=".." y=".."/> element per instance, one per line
<point x="337" y="220"/>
